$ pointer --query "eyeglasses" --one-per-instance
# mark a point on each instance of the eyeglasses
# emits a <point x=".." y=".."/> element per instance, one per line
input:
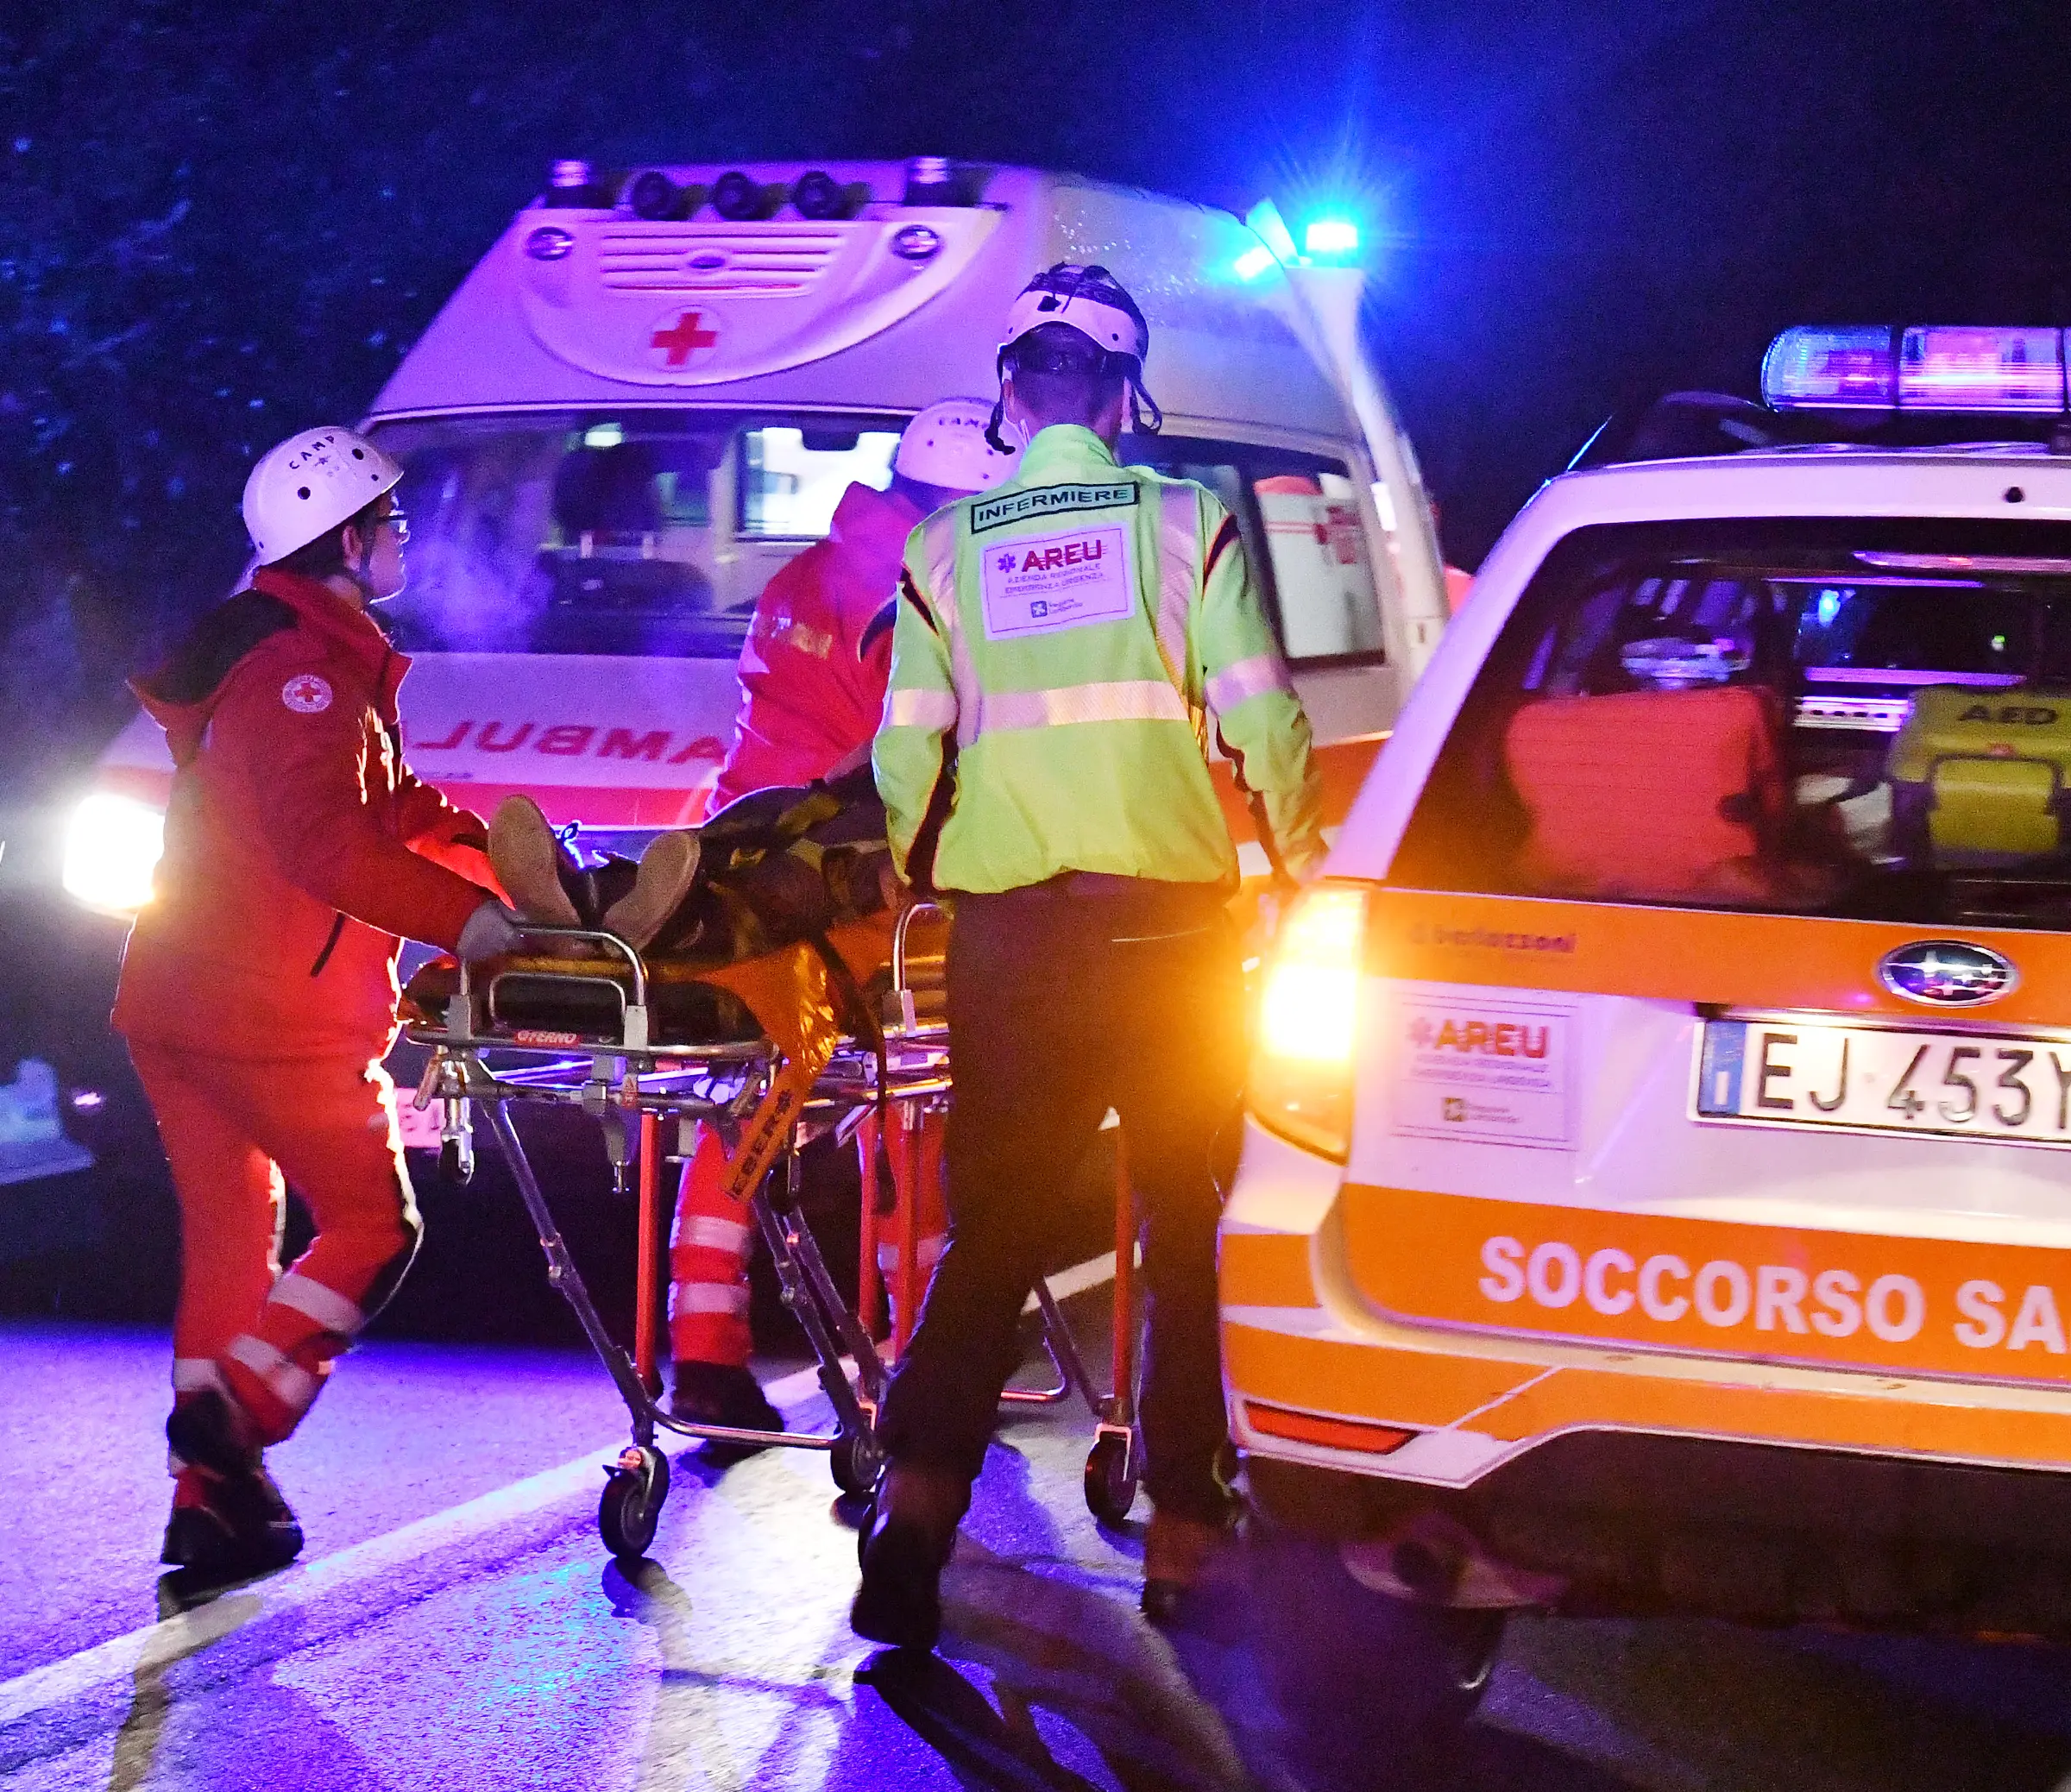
<point x="395" y="520"/>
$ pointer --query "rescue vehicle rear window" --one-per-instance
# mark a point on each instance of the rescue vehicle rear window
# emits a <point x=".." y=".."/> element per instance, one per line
<point x="637" y="532"/>
<point x="1866" y="718"/>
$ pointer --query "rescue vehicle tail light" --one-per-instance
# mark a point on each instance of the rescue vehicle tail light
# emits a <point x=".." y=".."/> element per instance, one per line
<point x="1299" y="1427"/>
<point x="1301" y="1072"/>
<point x="112" y="846"/>
<point x="1976" y="369"/>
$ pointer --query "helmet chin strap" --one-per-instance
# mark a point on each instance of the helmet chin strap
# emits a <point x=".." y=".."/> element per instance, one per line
<point x="362" y="574"/>
<point x="1138" y="399"/>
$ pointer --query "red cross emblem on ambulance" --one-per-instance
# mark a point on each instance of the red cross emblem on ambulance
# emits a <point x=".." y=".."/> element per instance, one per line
<point x="683" y="338"/>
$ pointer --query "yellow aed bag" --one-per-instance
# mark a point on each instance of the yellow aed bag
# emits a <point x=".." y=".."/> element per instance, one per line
<point x="1978" y="777"/>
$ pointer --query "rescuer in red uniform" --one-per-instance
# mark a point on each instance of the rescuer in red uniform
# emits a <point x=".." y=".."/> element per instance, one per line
<point x="258" y="991"/>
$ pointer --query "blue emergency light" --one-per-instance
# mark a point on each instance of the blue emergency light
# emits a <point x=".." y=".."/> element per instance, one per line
<point x="1256" y="260"/>
<point x="1331" y="239"/>
<point x="1979" y="369"/>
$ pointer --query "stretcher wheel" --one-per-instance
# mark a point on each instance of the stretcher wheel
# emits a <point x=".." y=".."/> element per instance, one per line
<point x="637" y="1484"/>
<point x="1111" y="1478"/>
<point x="857" y="1460"/>
<point x="453" y="1169"/>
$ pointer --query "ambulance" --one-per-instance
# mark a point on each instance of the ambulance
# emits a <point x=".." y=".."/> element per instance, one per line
<point x="651" y="392"/>
<point x="1656" y="1193"/>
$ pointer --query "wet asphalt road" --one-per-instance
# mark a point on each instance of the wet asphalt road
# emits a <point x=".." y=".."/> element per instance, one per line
<point x="455" y="1624"/>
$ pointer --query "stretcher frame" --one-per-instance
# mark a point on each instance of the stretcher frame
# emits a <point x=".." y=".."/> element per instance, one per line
<point x="634" y="1085"/>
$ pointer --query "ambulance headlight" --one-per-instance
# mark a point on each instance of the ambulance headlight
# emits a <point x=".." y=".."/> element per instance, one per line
<point x="652" y="196"/>
<point x="737" y="198"/>
<point x="1301" y="1071"/>
<point x="112" y="846"/>
<point x="818" y="195"/>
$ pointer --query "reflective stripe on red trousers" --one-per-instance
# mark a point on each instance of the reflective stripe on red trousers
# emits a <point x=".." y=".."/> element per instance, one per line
<point x="234" y="1131"/>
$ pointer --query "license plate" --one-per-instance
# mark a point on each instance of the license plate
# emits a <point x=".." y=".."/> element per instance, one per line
<point x="1884" y="1079"/>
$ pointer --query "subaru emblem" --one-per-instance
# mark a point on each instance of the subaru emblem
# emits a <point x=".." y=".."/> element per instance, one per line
<point x="1948" y="973"/>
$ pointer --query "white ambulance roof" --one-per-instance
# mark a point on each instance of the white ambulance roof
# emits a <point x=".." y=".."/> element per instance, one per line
<point x="791" y="311"/>
<point x="1958" y="483"/>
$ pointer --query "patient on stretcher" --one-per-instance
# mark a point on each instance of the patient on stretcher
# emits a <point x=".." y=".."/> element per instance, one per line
<point x="776" y="867"/>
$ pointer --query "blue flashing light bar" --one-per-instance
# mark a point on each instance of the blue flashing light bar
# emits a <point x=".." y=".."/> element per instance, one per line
<point x="1332" y="238"/>
<point x="1271" y="228"/>
<point x="1256" y="260"/>
<point x="1978" y="369"/>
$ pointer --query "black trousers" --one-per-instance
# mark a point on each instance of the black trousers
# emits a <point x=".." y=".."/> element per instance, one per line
<point x="1061" y="1005"/>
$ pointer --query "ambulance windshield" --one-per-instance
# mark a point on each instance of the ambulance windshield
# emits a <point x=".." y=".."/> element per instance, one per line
<point x="638" y="533"/>
<point x="1866" y="718"/>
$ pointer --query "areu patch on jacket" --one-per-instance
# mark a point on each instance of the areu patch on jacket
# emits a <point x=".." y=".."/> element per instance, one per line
<point x="1040" y="584"/>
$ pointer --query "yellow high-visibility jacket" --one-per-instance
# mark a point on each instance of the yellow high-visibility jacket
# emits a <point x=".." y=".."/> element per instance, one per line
<point x="1063" y="643"/>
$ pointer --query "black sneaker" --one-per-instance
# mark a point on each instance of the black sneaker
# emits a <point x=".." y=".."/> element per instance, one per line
<point x="712" y="1393"/>
<point x="243" y="1525"/>
<point x="242" y="1531"/>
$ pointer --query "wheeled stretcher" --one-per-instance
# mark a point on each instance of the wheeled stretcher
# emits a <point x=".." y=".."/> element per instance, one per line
<point x="772" y="1053"/>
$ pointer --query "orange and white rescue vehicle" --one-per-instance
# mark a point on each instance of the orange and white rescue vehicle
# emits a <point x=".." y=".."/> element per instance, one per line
<point x="1656" y="1191"/>
<point x="653" y="390"/>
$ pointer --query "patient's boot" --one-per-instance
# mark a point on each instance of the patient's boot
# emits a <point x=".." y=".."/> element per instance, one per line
<point x="668" y="869"/>
<point x="529" y="862"/>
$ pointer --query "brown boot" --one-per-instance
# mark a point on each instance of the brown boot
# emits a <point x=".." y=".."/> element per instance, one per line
<point x="528" y="862"/>
<point x="668" y="868"/>
<point x="1176" y="1555"/>
<point x="912" y="1530"/>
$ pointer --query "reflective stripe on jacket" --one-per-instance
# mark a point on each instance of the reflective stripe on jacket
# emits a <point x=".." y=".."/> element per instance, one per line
<point x="1064" y="643"/>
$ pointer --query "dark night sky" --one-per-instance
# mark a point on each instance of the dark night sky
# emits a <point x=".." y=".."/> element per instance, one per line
<point x="224" y="222"/>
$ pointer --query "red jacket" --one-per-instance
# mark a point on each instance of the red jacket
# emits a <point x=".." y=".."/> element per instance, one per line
<point x="810" y="693"/>
<point x="298" y="843"/>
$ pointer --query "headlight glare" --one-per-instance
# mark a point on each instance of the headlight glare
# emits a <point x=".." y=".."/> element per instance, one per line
<point x="112" y="846"/>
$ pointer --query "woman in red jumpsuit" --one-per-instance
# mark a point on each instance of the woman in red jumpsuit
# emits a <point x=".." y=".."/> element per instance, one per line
<point x="258" y="988"/>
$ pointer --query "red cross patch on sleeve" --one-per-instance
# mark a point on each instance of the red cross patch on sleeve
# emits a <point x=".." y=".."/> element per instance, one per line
<point x="306" y="694"/>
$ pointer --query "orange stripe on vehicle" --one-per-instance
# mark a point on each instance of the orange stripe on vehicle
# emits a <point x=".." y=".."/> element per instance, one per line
<point x="1357" y="1380"/>
<point x="1729" y="958"/>
<point x="1266" y="1269"/>
<point x="1913" y="1306"/>
<point x="1390" y="1385"/>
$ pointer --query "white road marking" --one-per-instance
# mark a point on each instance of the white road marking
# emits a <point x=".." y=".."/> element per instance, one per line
<point x="74" y="1675"/>
<point x="1076" y="1280"/>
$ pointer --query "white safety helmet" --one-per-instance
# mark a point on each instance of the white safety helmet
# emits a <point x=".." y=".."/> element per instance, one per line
<point x="1087" y="298"/>
<point x="945" y="446"/>
<point x="307" y="485"/>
